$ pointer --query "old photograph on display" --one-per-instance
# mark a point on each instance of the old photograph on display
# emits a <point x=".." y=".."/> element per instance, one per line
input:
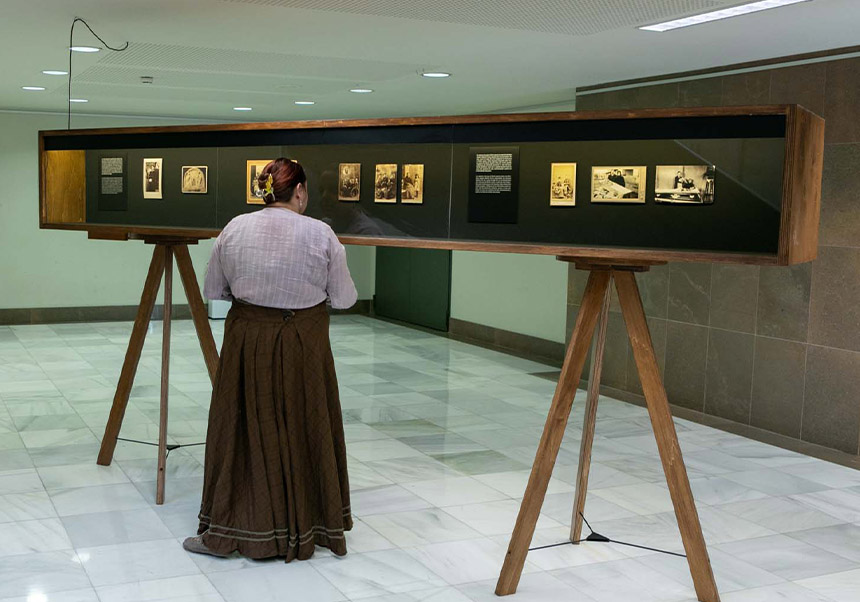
<point x="685" y="184"/>
<point x="152" y="178"/>
<point x="618" y="184"/>
<point x="195" y="179"/>
<point x="349" y="182"/>
<point x="254" y="167"/>
<point x="412" y="184"/>
<point x="562" y="191"/>
<point x="385" y="184"/>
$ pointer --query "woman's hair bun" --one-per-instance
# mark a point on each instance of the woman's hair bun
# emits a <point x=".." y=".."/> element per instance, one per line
<point x="279" y="179"/>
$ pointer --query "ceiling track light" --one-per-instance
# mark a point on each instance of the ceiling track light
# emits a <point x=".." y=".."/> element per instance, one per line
<point x="435" y="74"/>
<point x="242" y="109"/>
<point x="54" y="72"/>
<point x="84" y="49"/>
<point x="305" y="102"/>
<point x="78" y="100"/>
<point x="360" y="90"/>
<point x="724" y="13"/>
<point x="32" y="88"/>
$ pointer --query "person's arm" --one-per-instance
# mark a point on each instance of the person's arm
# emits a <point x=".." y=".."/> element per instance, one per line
<point x="216" y="286"/>
<point x="340" y="287"/>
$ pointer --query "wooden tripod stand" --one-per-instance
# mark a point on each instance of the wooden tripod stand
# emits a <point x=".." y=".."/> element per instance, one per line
<point x="595" y="305"/>
<point x="165" y="249"/>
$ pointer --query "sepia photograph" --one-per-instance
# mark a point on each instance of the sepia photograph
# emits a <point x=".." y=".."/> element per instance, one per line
<point x="385" y="184"/>
<point x="349" y="182"/>
<point x="195" y="179"/>
<point x="254" y="167"/>
<point x="616" y="184"/>
<point x="412" y="184"/>
<point x="685" y="184"/>
<point x="152" y="178"/>
<point x="562" y="190"/>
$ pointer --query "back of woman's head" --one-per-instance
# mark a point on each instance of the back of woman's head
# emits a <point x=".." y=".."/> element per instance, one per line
<point x="285" y="176"/>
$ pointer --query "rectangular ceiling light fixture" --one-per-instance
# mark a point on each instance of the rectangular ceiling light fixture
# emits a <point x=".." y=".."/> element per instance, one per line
<point x="724" y="13"/>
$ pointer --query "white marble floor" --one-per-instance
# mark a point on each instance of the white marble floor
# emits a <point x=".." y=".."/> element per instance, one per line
<point x="440" y="437"/>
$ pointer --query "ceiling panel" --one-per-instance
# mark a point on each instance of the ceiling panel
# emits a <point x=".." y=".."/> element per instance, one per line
<point x="566" y="17"/>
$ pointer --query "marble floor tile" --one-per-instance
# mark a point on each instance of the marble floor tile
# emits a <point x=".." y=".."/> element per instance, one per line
<point x="781" y="514"/>
<point x="831" y="475"/>
<point x="559" y="506"/>
<point x="106" y="498"/>
<point x="843" y="540"/>
<point x="774" y="482"/>
<point x="108" y="528"/>
<point x="20" y="481"/>
<point x="454" y="491"/>
<point x="270" y="583"/>
<point x="79" y="595"/>
<point x="714" y="490"/>
<point x="26" y="506"/>
<point x="787" y="557"/>
<point x="364" y="538"/>
<point x="33" y="536"/>
<point x="731" y="573"/>
<point x="513" y="484"/>
<point x="626" y="579"/>
<point x="194" y="588"/>
<point x="419" y="527"/>
<point x="495" y="518"/>
<point x="536" y="587"/>
<point x="377" y="573"/>
<point x="81" y="475"/>
<point x="481" y="462"/>
<point x="643" y="498"/>
<point x="45" y="573"/>
<point x="436" y="594"/>
<point x="413" y="468"/>
<point x="839" y="587"/>
<point x="138" y="561"/>
<point x="843" y="504"/>
<point x="782" y="592"/>
<point x="460" y="562"/>
<point x="381" y="449"/>
<point x="385" y="499"/>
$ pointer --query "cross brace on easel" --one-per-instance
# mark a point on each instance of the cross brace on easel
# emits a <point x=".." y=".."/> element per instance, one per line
<point x="165" y="249"/>
<point x="594" y="308"/>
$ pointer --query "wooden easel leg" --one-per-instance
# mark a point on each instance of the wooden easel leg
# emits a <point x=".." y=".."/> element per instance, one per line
<point x="165" y="374"/>
<point x="667" y="438"/>
<point x="589" y="422"/>
<point x="553" y="432"/>
<point x="132" y="356"/>
<point x="198" y="309"/>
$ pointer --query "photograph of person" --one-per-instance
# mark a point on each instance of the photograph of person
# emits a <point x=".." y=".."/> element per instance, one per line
<point x="412" y="184"/>
<point x="252" y="186"/>
<point x="152" y="178"/>
<point x="685" y="184"/>
<point x="617" y="184"/>
<point x="195" y="179"/>
<point x="385" y="184"/>
<point x="349" y="182"/>
<point x="562" y="192"/>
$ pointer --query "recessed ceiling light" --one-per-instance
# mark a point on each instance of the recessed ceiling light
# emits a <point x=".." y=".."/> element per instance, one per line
<point x="242" y="109"/>
<point x="78" y="100"/>
<point x="436" y="74"/>
<point x="361" y="90"/>
<point x="33" y="88"/>
<point x="716" y="15"/>
<point x="52" y="72"/>
<point x="304" y="102"/>
<point x="84" y="49"/>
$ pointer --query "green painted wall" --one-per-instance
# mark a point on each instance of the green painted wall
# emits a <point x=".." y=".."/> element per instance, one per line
<point x="53" y="268"/>
<point x="521" y="293"/>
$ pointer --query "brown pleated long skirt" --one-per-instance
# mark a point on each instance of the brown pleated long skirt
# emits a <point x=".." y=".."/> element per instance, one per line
<point x="275" y="479"/>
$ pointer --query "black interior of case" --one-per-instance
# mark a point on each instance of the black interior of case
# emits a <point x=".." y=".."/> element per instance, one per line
<point x="748" y="152"/>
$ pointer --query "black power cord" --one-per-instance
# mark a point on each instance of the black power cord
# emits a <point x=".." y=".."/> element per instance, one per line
<point x="170" y="447"/>
<point x="598" y="538"/>
<point x="71" y="43"/>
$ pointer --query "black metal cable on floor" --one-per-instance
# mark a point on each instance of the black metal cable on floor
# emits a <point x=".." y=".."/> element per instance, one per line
<point x="595" y="537"/>
<point x="170" y="447"/>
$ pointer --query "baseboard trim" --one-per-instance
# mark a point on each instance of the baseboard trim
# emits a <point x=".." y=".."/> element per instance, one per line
<point x="119" y="313"/>
<point x="513" y="343"/>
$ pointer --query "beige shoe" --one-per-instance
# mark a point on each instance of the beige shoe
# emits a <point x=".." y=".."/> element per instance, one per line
<point x="196" y="546"/>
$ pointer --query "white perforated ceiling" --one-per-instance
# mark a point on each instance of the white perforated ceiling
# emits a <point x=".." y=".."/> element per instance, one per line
<point x="208" y="56"/>
<point x="567" y="17"/>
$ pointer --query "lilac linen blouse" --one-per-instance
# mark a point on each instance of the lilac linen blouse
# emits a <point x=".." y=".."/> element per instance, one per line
<point x="275" y="257"/>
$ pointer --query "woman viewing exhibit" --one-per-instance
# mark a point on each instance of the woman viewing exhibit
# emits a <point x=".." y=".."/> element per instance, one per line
<point x="275" y="480"/>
